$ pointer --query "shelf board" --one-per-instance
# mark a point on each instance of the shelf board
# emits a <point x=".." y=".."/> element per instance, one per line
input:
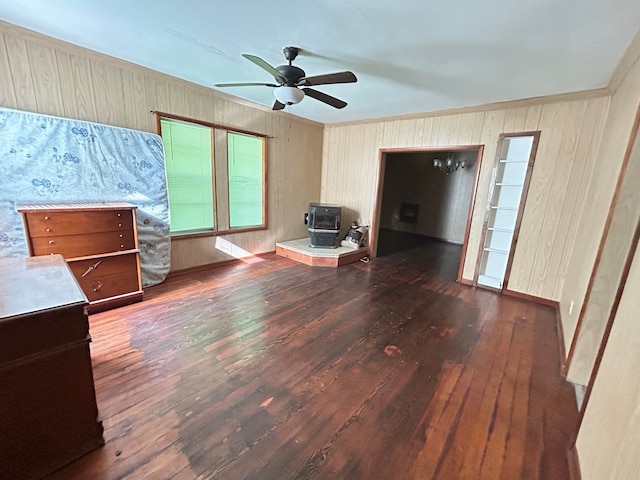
<point x="495" y="207"/>
<point x="496" y="250"/>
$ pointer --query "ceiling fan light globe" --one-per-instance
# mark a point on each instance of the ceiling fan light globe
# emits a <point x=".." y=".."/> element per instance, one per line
<point x="288" y="95"/>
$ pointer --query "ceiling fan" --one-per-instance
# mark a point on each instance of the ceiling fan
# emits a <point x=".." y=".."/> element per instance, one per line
<point x="290" y="78"/>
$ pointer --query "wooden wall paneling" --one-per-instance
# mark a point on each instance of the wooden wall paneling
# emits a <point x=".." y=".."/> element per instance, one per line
<point x="428" y="128"/>
<point x="191" y="97"/>
<point x="614" y="139"/>
<point x="388" y="140"/>
<point x="108" y="93"/>
<point x="521" y="119"/>
<point x="400" y="128"/>
<point x="182" y="254"/>
<point x="7" y="92"/>
<point x="145" y="120"/>
<point x="21" y="73"/>
<point x="163" y="95"/>
<point x="355" y="193"/>
<point x="255" y="120"/>
<point x="178" y="99"/>
<point x="435" y="131"/>
<point x="510" y="118"/>
<point x="204" y="107"/>
<point x="236" y="115"/>
<point x="562" y="184"/>
<point x="539" y="196"/>
<point x="327" y="135"/>
<point x="372" y="139"/>
<point x="465" y="129"/>
<point x="128" y="94"/>
<point x="376" y="213"/>
<point x="418" y="137"/>
<point x="67" y="86"/>
<point x="46" y="78"/>
<point x="444" y="131"/>
<point x="220" y="111"/>
<point x="407" y="132"/>
<point x="277" y="179"/>
<point x="221" y="173"/>
<point x="617" y="239"/>
<point x="151" y="88"/>
<point x="454" y="132"/>
<point x="478" y="123"/>
<point x="586" y="156"/>
<point x="607" y="442"/>
<point x="83" y="86"/>
<point x="532" y="119"/>
<point x="341" y="173"/>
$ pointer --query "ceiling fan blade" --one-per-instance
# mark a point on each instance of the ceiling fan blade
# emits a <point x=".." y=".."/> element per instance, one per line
<point x="278" y="106"/>
<point x="246" y="84"/>
<point x="265" y="66"/>
<point x="338" y="77"/>
<point x="323" y="97"/>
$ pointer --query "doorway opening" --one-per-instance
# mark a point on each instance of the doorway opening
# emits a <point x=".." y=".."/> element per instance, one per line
<point x="425" y="197"/>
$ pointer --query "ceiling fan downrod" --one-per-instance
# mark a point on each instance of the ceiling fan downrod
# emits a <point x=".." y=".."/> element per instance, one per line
<point x="290" y="53"/>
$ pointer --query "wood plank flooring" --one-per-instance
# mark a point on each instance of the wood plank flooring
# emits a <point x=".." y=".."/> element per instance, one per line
<point x="380" y="370"/>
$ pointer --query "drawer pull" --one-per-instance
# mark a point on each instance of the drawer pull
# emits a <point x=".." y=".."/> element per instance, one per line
<point x="51" y="242"/>
<point x="91" y="269"/>
<point x="119" y="215"/>
<point x="119" y="224"/>
<point x="98" y="287"/>
<point x="46" y="218"/>
<point x="48" y="229"/>
<point x="121" y="246"/>
<point x="121" y="235"/>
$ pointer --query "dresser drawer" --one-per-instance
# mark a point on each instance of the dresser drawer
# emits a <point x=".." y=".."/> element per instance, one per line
<point x="101" y="278"/>
<point x="83" y="245"/>
<point x="51" y="224"/>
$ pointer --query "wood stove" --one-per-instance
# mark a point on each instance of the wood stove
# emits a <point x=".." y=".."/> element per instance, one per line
<point x="323" y="225"/>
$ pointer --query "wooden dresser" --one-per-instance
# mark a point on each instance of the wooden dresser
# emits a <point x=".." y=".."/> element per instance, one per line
<point x="48" y="411"/>
<point x="99" y="242"/>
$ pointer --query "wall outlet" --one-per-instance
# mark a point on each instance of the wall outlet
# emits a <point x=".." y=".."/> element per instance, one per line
<point x="571" y="307"/>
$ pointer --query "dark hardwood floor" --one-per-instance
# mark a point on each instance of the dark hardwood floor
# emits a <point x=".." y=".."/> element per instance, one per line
<point x="380" y="370"/>
<point x="395" y="241"/>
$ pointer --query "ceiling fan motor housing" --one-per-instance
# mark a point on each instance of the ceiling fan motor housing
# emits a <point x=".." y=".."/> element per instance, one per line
<point x="291" y="74"/>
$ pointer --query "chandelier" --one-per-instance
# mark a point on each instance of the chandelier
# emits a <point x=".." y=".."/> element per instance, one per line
<point x="449" y="165"/>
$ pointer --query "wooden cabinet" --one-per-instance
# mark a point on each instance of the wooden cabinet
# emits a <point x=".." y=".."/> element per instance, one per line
<point x="99" y="242"/>
<point x="48" y="411"/>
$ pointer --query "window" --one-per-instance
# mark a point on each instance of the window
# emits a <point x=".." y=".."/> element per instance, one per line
<point x="245" y="180"/>
<point x="216" y="177"/>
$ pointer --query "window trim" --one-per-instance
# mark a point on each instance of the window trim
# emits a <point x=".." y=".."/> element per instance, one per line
<point x="265" y="175"/>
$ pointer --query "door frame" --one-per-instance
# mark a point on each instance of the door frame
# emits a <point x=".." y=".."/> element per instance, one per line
<point x="382" y="163"/>
<point x="523" y="201"/>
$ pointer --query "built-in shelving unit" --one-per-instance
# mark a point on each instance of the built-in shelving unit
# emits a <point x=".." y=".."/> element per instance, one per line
<point x="509" y="182"/>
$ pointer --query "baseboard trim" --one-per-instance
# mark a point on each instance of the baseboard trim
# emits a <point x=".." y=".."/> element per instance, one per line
<point x="532" y="298"/>
<point x="561" y="346"/>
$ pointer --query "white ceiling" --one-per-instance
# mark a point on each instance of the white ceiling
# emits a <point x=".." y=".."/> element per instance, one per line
<point x="409" y="56"/>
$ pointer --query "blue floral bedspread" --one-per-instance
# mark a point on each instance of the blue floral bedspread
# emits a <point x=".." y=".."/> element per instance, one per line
<point x="46" y="159"/>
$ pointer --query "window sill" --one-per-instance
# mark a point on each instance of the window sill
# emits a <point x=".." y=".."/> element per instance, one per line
<point x="216" y="233"/>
